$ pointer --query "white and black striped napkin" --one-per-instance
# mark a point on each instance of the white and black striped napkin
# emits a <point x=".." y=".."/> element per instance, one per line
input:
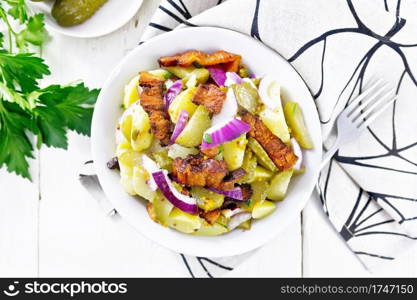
<point x="369" y="189"/>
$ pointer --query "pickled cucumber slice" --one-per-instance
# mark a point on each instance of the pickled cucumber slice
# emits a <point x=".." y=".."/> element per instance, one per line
<point x="247" y="96"/>
<point x="249" y="165"/>
<point x="261" y="154"/>
<point x="182" y="101"/>
<point x="192" y="135"/>
<point x="201" y="74"/>
<point x="275" y="121"/>
<point x="210" y="230"/>
<point x="295" y="121"/>
<point x="207" y="200"/>
<point x="183" y="221"/>
<point x="279" y="185"/>
<point x="263" y="209"/>
<point x="74" y="12"/>
<point x="161" y="73"/>
<point x="180" y="151"/>
<point x="262" y="174"/>
<point x="234" y="152"/>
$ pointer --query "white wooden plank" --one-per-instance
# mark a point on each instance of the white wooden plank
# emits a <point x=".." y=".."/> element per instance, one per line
<point x="282" y="257"/>
<point x="77" y="239"/>
<point x="19" y="206"/>
<point x="325" y="254"/>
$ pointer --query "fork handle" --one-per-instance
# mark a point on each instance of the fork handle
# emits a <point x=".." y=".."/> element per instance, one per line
<point x="329" y="154"/>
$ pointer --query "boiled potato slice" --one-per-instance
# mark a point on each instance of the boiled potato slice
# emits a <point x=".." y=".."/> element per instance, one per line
<point x="201" y="74"/>
<point x="210" y="230"/>
<point x="279" y="185"/>
<point x="126" y="126"/>
<point x="140" y="176"/>
<point x="192" y="135"/>
<point x="162" y="208"/>
<point x="182" y="101"/>
<point x="140" y="136"/>
<point x="295" y="120"/>
<point x="126" y="181"/>
<point x="275" y="121"/>
<point x="245" y="225"/>
<point x="128" y="157"/>
<point x="234" y="151"/>
<point x="259" y="191"/>
<point x="126" y="173"/>
<point x="131" y="94"/>
<point x="263" y="209"/>
<point x="207" y="200"/>
<point x="163" y="160"/>
<point x="183" y="221"/>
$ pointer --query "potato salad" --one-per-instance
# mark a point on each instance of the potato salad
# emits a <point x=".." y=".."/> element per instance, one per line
<point x="208" y="145"/>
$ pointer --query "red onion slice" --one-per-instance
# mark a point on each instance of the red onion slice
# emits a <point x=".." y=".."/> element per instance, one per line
<point x="235" y="193"/>
<point x="218" y="75"/>
<point x="150" y="166"/>
<point x="238" y="219"/>
<point x="179" y="127"/>
<point x="297" y="151"/>
<point x="221" y="134"/>
<point x="181" y="201"/>
<point x="172" y="92"/>
<point x="232" y="78"/>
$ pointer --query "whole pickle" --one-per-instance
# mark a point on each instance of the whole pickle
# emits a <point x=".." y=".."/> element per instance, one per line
<point x="74" y="12"/>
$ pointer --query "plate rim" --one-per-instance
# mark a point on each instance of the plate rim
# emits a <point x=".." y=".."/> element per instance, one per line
<point x="266" y="238"/>
<point x="67" y="32"/>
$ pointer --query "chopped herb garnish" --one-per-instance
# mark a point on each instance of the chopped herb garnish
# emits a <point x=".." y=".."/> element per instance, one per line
<point x="207" y="138"/>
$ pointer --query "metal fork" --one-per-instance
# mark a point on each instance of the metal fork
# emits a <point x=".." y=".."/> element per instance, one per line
<point x="359" y="114"/>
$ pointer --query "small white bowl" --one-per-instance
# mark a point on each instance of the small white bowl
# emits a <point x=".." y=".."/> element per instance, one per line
<point x="261" y="60"/>
<point x="110" y="17"/>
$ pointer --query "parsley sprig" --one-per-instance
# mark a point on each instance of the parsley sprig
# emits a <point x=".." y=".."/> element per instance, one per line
<point x="26" y="109"/>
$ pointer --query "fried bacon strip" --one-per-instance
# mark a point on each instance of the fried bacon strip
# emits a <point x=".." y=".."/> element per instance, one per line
<point x="211" y="216"/>
<point x="210" y="152"/>
<point x="151" y="99"/>
<point x="229" y="60"/>
<point x="282" y="155"/>
<point x="229" y="181"/>
<point x="211" y="96"/>
<point x="196" y="171"/>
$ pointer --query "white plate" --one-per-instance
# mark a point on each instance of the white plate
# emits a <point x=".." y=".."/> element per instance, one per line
<point x="110" y="17"/>
<point x="261" y="60"/>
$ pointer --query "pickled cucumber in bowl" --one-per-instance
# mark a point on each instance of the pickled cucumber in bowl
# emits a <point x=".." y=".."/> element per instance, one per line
<point x="74" y="12"/>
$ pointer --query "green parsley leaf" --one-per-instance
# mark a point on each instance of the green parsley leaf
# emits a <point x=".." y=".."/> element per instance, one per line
<point x="207" y="138"/>
<point x="23" y="69"/>
<point x="18" y="10"/>
<point x="25" y="108"/>
<point x="73" y="105"/>
<point x="15" y="146"/>
<point x="34" y="33"/>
